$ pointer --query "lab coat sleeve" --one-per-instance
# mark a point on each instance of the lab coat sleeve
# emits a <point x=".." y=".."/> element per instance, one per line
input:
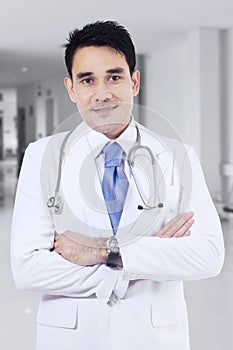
<point x="198" y="256"/>
<point x="35" y="267"/>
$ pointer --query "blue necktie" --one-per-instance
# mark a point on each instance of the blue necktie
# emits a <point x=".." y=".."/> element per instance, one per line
<point x="115" y="183"/>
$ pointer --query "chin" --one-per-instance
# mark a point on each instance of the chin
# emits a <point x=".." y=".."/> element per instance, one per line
<point x="105" y="129"/>
<point x="112" y="131"/>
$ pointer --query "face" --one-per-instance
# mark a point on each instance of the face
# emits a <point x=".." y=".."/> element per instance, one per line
<point x="103" y="89"/>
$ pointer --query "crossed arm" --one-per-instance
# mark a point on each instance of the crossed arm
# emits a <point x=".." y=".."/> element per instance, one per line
<point x="85" y="250"/>
<point x="161" y="257"/>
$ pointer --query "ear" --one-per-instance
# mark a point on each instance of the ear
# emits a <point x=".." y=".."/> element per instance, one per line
<point x="136" y="82"/>
<point x="69" y="87"/>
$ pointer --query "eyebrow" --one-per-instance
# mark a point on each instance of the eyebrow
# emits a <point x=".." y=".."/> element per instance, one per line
<point x="83" y="75"/>
<point x="117" y="70"/>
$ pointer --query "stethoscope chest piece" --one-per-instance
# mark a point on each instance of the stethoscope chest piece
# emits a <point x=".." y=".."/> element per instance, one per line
<point x="51" y="202"/>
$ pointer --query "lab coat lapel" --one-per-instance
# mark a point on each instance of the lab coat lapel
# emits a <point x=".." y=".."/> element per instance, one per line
<point x="81" y="188"/>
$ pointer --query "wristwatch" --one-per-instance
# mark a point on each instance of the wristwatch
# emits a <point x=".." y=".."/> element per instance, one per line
<point x="113" y="252"/>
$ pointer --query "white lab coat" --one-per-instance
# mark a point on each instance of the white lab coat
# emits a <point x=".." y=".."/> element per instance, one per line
<point x="147" y="309"/>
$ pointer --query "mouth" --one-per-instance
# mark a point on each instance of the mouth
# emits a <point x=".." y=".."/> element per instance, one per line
<point x="104" y="108"/>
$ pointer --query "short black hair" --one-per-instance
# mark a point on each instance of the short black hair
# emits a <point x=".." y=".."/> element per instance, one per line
<point x="101" y="33"/>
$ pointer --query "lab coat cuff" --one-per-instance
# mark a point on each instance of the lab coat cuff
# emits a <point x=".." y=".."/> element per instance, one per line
<point x="128" y="260"/>
<point x="121" y="285"/>
<point x="107" y="285"/>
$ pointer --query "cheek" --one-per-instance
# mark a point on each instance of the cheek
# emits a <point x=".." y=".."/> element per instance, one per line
<point x="82" y="99"/>
<point x="123" y="93"/>
<point x="127" y="96"/>
<point x="127" y="92"/>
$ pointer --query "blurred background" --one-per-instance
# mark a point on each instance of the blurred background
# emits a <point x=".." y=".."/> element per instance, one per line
<point x="185" y="54"/>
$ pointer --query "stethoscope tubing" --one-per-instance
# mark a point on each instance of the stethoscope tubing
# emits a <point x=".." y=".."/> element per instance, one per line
<point x="52" y="201"/>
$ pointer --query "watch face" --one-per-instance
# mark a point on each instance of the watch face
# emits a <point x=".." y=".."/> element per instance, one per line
<point x="114" y="249"/>
<point x="112" y="244"/>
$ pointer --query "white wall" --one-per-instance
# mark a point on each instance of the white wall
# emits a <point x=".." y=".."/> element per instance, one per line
<point x="182" y="83"/>
<point x="227" y="116"/>
<point x="8" y="106"/>
<point x="166" y="84"/>
<point x="37" y="94"/>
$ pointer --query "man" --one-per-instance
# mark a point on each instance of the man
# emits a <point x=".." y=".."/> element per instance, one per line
<point x="109" y="250"/>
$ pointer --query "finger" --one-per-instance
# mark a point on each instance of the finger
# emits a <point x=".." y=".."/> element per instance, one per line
<point x="186" y="234"/>
<point x="173" y="225"/>
<point x="63" y="240"/>
<point x="179" y="230"/>
<point x="182" y="219"/>
<point x="56" y="244"/>
<point x="164" y="229"/>
<point x="58" y="237"/>
<point x="177" y="221"/>
<point x="183" y="222"/>
<point x="185" y="228"/>
<point x="57" y="250"/>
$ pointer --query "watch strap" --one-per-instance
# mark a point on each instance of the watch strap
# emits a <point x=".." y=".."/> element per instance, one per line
<point x="112" y="260"/>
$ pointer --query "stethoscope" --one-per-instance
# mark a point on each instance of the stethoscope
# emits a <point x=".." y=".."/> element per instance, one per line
<point x="55" y="202"/>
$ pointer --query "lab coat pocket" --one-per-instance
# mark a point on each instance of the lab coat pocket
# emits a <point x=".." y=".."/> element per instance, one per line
<point x="167" y="313"/>
<point x="58" y="312"/>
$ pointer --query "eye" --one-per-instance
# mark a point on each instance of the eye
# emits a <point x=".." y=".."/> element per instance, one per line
<point x="115" y="78"/>
<point x="87" y="81"/>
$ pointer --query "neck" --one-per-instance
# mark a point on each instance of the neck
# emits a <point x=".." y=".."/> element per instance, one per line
<point x="113" y="134"/>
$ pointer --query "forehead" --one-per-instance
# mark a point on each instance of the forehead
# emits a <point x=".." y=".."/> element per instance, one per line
<point x="92" y="58"/>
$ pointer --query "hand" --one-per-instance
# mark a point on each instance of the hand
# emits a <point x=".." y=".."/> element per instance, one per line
<point x="80" y="249"/>
<point x="179" y="226"/>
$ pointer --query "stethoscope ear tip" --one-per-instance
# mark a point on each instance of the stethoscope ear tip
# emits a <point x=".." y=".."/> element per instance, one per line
<point x="147" y="207"/>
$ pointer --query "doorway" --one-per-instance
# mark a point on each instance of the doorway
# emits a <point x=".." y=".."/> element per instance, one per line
<point x="1" y="138"/>
<point x="49" y="116"/>
<point x="21" y="130"/>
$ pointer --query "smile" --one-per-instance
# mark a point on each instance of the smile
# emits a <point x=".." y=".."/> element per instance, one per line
<point x="104" y="108"/>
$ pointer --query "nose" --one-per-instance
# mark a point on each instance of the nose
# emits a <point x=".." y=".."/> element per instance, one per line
<point x="102" y="93"/>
